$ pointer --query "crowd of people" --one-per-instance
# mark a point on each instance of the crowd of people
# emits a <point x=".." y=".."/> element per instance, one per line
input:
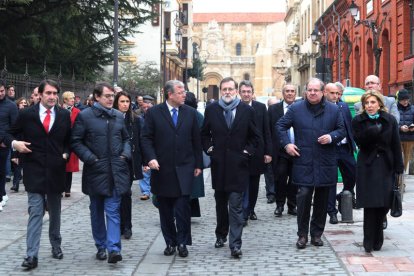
<point x="297" y="143"/>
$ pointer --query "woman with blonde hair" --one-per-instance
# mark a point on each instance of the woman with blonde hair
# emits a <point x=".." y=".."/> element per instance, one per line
<point x="72" y="166"/>
<point x="379" y="160"/>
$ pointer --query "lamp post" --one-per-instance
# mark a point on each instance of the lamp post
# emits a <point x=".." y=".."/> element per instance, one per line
<point x="196" y="56"/>
<point x="115" y="77"/>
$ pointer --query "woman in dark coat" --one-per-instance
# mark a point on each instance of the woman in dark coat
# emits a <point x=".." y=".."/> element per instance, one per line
<point x="379" y="160"/>
<point x="122" y="103"/>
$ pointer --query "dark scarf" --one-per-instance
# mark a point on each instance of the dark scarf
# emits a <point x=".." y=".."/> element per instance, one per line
<point x="109" y="112"/>
<point x="228" y="109"/>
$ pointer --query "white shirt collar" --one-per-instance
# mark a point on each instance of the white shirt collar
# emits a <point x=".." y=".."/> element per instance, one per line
<point x="171" y="107"/>
<point x="43" y="109"/>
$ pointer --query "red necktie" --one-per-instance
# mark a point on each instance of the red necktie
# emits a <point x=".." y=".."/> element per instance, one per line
<point x="46" y="121"/>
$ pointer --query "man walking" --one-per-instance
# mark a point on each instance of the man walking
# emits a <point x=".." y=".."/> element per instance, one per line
<point x="172" y="147"/>
<point x="44" y="130"/>
<point x="230" y="137"/>
<point x="100" y="139"/>
<point x="318" y="127"/>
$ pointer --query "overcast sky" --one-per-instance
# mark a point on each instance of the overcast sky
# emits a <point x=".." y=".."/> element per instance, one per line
<point x="200" y="6"/>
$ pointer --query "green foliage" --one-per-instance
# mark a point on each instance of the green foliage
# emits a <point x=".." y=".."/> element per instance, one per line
<point x="197" y="71"/>
<point x="78" y="35"/>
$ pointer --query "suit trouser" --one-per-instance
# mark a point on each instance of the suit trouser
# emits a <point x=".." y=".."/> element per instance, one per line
<point x="68" y="181"/>
<point x="179" y="232"/>
<point x="250" y="196"/>
<point x="3" y="160"/>
<point x="284" y="187"/>
<point x="229" y="212"/>
<point x="126" y="211"/>
<point x="269" y="180"/>
<point x="36" y="206"/>
<point x="320" y="205"/>
<point x="373" y="230"/>
<point x="106" y="236"/>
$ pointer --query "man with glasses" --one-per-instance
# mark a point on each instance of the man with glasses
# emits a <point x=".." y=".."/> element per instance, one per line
<point x="230" y="137"/>
<point x="100" y="139"/>
<point x="45" y="130"/>
<point x="373" y="82"/>
<point x="318" y="127"/>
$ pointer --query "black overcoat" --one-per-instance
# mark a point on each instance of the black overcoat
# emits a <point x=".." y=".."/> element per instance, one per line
<point x="44" y="169"/>
<point x="379" y="158"/>
<point x="229" y="164"/>
<point x="276" y="112"/>
<point x="177" y="149"/>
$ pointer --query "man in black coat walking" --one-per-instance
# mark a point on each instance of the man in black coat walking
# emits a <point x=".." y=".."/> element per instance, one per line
<point x="230" y="137"/>
<point x="172" y="148"/>
<point x="44" y="131"/>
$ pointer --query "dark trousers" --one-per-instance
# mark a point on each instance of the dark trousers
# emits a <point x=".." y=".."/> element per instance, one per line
<point x="126" y="211"/>
<point x="284" y="187"/>
<point x="269" y="180"/>
<point x="68" y="182"/>
<point x="373" y="231"/>
<point x="178" y="232"/>
<point x="229" y="213"/>
<point x="250" y="196"/>
<point x="4" y="152"/>
<point x="17" y="175"/>
<point x="320" y="204"/>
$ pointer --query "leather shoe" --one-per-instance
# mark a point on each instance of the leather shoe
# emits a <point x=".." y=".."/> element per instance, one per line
<point x="30" y="262"/>
<point x="301" y="243"/>
<point x="236" y="252"/>
<point x="114" y="257"/>
<point x="271" y="199"/>
<point x="127" y="233"/>
<point x="101" y="254"/>
<point x="253" y="215"/>
<point x="278" y="211"/>
<point x="245" y="223"/>
<point x="169" y="250"/>
<point x="57" y="253"/>
<point x="292" y="211"/>
<point x="182" y="250"/>
<point x="220" y="242"/>
<point x="333" y="219"/>
<point x="385" y="223"/>
<point x="14" y="188"/>
<point x="316" y="241"/>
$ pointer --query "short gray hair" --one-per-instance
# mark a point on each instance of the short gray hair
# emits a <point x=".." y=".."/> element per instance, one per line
<point x="170" y="85"/>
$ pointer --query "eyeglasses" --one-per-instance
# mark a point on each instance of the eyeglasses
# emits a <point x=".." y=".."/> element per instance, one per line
<point x="108" y="96"/>
<point x="371" y="82"/>
<point x="227" y="89"/>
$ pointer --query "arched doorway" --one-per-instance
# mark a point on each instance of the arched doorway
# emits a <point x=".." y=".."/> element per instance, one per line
<point x="211" y="86"/>
<point x="357" y="67"/>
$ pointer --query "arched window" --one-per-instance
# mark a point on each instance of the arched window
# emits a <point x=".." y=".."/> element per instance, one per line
<point x="238" y="49"/>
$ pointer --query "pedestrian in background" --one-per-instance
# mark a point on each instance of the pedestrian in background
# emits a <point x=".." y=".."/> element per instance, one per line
<point x="43" y="131"/>
<point x="133" y="124"/>
<point x="406" y="125"/>
<point x="73" y="163"/>
<point x="101" y="141"/>
<point x="379" y="160"/>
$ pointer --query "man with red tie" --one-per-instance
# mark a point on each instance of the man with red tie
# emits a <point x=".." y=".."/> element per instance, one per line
<point x="41" y="135"/>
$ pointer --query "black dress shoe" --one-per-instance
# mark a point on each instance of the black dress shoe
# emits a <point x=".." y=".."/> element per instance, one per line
<point x="236" y="252"/>
<point x="333" y="219"/>
<point x="114" y="257"/>
<point x="57" y="253"/>
<point x="385" y="223"/>
<point x="182" y="250"/>
<point x="245" y="222"/>
<point x="101" y="254"/>
<point x="14" y="188"/>
<point x="169" y="250"/>
<point x="301" y="243"/>
<point x="220" y="242"/>
<point x="30" y="262"/>
<point x="316" y="241"/>
<point x="253" y="215"/>
<point x="278" y="211"/>
<point x="127" y="233"/>
<point x="292" y="211"/>
<point x="271" y="199"/>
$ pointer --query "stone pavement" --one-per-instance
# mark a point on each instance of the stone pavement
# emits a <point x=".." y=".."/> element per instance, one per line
<point x="268" y="243"/>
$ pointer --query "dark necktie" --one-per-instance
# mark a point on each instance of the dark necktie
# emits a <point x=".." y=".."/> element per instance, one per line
<point x="46" y="121"/>
<point x="174" y="116"/>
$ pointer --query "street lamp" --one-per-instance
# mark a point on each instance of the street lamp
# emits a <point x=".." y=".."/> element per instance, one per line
<point x="196" y="56"/>
<point x="115" y="77"/>
<point x="296" y="48"/>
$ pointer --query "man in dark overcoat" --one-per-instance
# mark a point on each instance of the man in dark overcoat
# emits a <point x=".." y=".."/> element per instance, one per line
<point x="43" y="131"/>
<point x="230" y="137"/>
<point x="263" y="152"/>
<point x="172" y="148"/>
<point x="318" y="127"/>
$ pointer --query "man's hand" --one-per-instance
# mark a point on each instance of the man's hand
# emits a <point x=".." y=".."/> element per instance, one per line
<point x="404" y="128"/>
<point x="65" y="156"/>
<point x="197" y="172"/>
<point x="2" y="145"/>
<point x="325" y="139"/>
<point x="292" y="150"/>
<point x="153" y="164"/>
<point x="267" y="159"/>
<point x="21" y="146"/>
<point x="15" y="161"/>
<point x="145" y="168"/>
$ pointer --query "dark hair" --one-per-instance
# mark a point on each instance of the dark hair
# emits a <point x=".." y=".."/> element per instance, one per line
<point x="118" y="95"/>
<point x="50" y="82"/>
<point x="170" y="86"/>
<point x="228" y="79"/>
<point x="246" y="83"/>
<point x="2" y="83"/>
<point x="98" y="90"/>
<point x="321" y="83"/>
<point x="191" y="100"/>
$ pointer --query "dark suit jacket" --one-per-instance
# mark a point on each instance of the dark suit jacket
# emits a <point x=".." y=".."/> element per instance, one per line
<point x="275" y="112"/>
<point x="229" y="165"/>
<point x="177" y="149"/>
<point x="257" y="165"/>
<point x="44" y="168"/>
<point x="347" y="116"/>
